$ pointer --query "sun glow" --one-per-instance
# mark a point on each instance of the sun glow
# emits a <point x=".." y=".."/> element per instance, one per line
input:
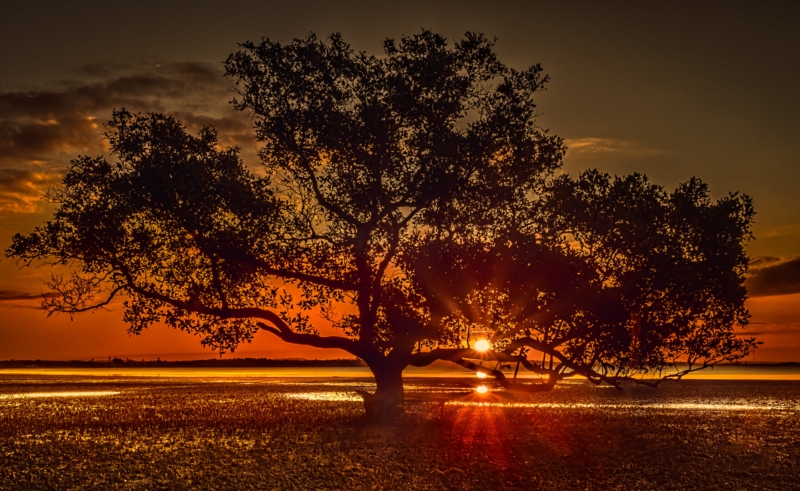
<point x="483" y="345"/>
<point x="480" y="374"/>
<point x="482" y="389"/>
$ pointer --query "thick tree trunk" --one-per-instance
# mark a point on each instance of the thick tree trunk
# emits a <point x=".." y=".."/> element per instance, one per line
<point x="386" y="404"/>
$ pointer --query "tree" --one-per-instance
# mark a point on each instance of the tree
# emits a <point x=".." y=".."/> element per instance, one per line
<point x="615" y="279"/>
<point x="411" y="201"/>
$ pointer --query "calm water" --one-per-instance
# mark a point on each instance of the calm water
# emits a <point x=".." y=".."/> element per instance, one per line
<point x="725" y="388"/>
<point x="250" y="429"/>
<point x="728" y="388"/>
<point x="442" y="370"/>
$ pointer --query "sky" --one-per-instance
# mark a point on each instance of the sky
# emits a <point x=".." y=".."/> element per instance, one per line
<point x="669" y="89"/>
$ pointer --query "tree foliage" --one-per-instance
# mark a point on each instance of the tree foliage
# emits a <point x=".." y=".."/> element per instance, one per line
<point x="411" y="201"/>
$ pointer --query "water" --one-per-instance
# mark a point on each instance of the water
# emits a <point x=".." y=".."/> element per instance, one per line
<point x="246" y="429"/>
<point x="721" y="390"/>
<point x="440" y="370"/>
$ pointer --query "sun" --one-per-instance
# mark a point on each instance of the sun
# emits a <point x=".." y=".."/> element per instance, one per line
<point x="482" y="389"/>
<point x="480" y="374"/>
<point x="483" y="345"/>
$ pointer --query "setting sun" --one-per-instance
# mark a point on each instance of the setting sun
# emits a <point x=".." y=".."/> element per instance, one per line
<point x="482" y="389"/>
<point x="482" y="345"/>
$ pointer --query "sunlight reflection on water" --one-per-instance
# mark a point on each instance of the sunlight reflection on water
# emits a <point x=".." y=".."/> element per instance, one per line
<point x="674" y="406"/>
<point x="326" y="396"/>
<point x="36" y="395"/>
<point x="770" y="405"/>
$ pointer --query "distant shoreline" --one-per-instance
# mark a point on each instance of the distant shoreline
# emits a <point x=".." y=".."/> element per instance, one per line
<point x="208" y="363"/>
<point x="255" y="363"/>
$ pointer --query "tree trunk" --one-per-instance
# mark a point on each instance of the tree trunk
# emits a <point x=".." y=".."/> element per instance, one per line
<point x="386" y="404"/>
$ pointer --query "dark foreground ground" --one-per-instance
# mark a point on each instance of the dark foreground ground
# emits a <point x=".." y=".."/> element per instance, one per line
<point x="268" y="434"/>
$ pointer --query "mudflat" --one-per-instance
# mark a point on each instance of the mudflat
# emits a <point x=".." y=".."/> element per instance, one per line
<point x="136" y="433"/>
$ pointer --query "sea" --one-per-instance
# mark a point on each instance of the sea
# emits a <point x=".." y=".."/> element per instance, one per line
<point x="753" y="372"/>
<point x="732" y="427"/>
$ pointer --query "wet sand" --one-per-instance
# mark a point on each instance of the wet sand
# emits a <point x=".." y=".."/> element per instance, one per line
<point x="128" y="433"/>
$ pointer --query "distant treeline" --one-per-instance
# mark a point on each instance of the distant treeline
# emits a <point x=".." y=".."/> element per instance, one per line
<point x="211" y="363"/>
<point x="245" y="363"/>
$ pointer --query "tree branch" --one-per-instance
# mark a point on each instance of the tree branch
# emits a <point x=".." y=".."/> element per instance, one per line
<point x="279" y="327"/>
<point x="60" y="304"/>
<point x="313" y="340"/>
<point x="310" y="278"/>
<point x="321" y="199"/>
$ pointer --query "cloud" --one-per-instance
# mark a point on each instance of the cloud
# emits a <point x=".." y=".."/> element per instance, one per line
<point x="150" y="87"/>
<point x="232" y="130"/>
<point x="593" y="145"/>
<point x="764" y="329"/>
<point x="22" y="300"/>
<point x="773" y="276"/>
<point x="23" y="190"/>
<point x="15" y="296"/>
<point x="22" y="141"/>
<point x="44" y="128"/>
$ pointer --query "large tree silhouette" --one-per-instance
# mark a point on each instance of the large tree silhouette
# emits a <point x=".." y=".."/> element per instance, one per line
<point x="411" y="201"/>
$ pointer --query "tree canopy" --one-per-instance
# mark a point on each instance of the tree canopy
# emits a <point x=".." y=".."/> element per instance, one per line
<point x="411" y="201"/>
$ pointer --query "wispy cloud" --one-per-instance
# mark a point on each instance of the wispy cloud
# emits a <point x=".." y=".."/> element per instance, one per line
<point x="16" y="299"/>
<point x="15" y="296"/>
<point x="764" y="329"/>
<point x="594" y="145"/>
<point x="773" y="276"/>
<point x="22" y="190"/>
<point x="42" y="129"/>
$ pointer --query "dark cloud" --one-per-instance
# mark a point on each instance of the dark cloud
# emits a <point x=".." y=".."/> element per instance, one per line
<point x="42" y="129"/>
<point x="145" y="88"/>
<point x="15" y="296"/>
<point x="773" y="276"/>
<point x="25" y="141"/>
<point x="763" y="329"/>
<point x="199" y="71"/>
<point x="233" y="130"/>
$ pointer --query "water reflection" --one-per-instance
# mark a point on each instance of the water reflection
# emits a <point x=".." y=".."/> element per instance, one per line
<point x="672" y="406"/>
<point x="326" y="396"/>
<point x="36" y="395"/>
<point x="677" y="406"/>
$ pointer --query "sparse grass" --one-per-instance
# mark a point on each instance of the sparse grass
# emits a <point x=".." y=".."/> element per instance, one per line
<point x="234" y="435"/>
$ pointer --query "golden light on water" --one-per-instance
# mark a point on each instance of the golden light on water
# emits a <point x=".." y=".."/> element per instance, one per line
<point x="480" y="374"/>
<point x="37" y="395"/>
<point x="662" y="406"/>
<point x="483" y="345"/>
<point x="482" y="389"/>
<point x="327" y="396"/>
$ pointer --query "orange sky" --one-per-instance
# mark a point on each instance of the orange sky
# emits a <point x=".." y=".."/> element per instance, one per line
<point x="28" y="334"/>
<point x="671" y="90"/>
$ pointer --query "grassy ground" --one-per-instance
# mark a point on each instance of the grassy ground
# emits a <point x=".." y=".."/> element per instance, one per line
<point x="267" y="435"/>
